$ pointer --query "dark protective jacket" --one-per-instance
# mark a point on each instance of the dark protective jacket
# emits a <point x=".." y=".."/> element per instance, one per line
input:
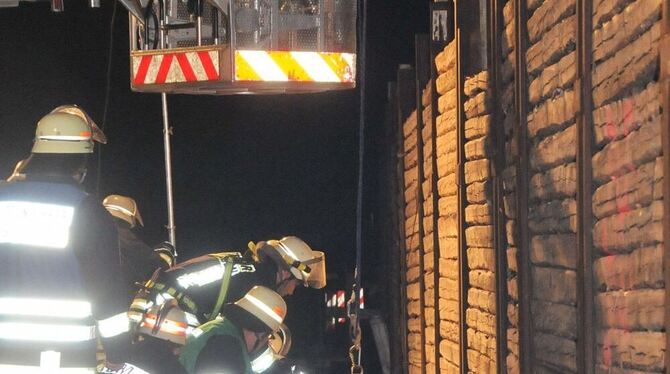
<point x="138" y="260"/>
<point x="198" y="286"/>
<point x="59" y="276"/>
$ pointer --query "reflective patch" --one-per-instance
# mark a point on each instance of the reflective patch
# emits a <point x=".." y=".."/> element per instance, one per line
<point x="35" y="224"/>
<point x="45" y="307"/>
<point x="264" y="361"/>
<point x="46" y="332"/>
<point x="19" y="369"/>
<point x="211" y="274"/>
<point x="115" y="325"/>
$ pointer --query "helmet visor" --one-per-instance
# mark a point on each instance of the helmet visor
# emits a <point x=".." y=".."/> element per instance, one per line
<point x="317" y="275"/>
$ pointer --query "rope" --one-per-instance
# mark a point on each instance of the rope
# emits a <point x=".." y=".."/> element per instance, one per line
<point x="107" y="94"/>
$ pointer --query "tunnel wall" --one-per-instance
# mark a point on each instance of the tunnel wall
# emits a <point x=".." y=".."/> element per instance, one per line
<point x="627" y="176"/>
<point x="563" y="218"/>
<point x="552" y="201"/>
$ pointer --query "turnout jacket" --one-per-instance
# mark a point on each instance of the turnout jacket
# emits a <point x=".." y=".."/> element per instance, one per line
<point x="59" y="277"/>
<point x="204" y="284"/>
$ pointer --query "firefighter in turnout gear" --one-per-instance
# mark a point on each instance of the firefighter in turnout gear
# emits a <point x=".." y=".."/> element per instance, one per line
<point x="59" y="283"/>
<point x="226" y="344"/>
<point x="201" y="288"/>
<point x="138" y="260"/>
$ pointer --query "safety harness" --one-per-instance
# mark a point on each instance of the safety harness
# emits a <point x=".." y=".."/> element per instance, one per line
<point x="152" y="287"/>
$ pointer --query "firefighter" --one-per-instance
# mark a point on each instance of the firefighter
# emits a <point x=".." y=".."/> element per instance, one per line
<point x="204" y="284"/>
<point x="201" y="287"/>
<point x="226" y="344"/>
<point x="59" y="284"/>
<point x="138" y="260"/>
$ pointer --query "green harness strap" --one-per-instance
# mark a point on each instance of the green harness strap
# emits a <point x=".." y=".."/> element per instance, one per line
<point x="225" y="282"/>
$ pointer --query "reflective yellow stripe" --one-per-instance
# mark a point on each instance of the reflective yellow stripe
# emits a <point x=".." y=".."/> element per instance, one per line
<point x="298" y="66"/>
<point x="45" y="307"/>
<point x="115" y="325"/>
<point x="46" y="332"/>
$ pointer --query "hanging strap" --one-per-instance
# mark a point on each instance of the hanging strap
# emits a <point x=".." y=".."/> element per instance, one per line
<point x="223" y="290"/>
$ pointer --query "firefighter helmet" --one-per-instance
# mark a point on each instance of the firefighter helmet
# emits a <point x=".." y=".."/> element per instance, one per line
<point x="294" y="255"/>
<point x="67" y="129"/>
<point x="124" y="208"/>
<point x="266" y="305"/>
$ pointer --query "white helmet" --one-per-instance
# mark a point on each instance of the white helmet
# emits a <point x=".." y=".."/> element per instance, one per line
<point x="124" y="208"/>
<point x="67" y="129"/>
<point x="297" y="257"/>
<point x="266" y="305"/>
<point x="175" y="325"/>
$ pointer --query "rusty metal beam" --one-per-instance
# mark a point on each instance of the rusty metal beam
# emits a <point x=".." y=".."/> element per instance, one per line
<point x="664" y="47"/>
<point x="422" y="55"/>
<point x="586" y="342"/>
<point x="437" y="45"/>
<point x="404" y="101"/>
<point x="526" y="354"/>
<point x="494" y="52"/>
<point x="463" y="275"/>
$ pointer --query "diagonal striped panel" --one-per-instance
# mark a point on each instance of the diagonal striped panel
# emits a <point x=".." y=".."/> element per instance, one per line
<point x="297" y="66"/>
<point x="178" y="67"/>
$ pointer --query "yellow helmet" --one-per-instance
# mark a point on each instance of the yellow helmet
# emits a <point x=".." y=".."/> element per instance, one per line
<point x="67" y="129"/>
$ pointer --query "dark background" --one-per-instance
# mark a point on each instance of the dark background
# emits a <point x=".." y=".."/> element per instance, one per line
<point x="245" y="167"/>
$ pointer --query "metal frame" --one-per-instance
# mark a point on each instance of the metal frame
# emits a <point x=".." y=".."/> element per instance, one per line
<point x="664" y="47"/>
<point x="494" y="17"/>
<point x="421" y="45"/>
<point x="435" y="200"/>
<point x="463" y="276"/>
<point x="526" y="354"/>
<point x="405" y="79"/>
<point x="436" y="47"/>
<point x="585" y="293"/>
<point x="391" y="217"/>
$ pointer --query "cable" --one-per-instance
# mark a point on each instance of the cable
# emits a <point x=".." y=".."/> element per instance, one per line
<point x="108" y="87"/>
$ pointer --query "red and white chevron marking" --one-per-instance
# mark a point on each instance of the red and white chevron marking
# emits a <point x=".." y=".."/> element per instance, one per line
<point x="178" y="67"/>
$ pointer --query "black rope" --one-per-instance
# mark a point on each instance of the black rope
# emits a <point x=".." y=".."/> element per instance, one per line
<point x="108" y="87"/>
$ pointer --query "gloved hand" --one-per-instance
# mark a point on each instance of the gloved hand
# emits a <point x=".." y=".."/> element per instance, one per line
<point x="121" y="369"/>
<point x="166" y="252"/>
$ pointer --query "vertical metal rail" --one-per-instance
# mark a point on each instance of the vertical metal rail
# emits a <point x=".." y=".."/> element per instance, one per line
<point x="586" y="341"/>
<point x="494" y="31"/>
<point x="394" y="139"/>
<point x="436" y="46"/>
<point x="198" y="22"/>
<point x="167" y="147"/>
<point x="665" y="135"/>
<point x="463" y="276"/>
<point x="404" y="97"/>
<point x="421" y="46"/>
<point x="526" y="354"/>
<point x="404" y="102"/>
